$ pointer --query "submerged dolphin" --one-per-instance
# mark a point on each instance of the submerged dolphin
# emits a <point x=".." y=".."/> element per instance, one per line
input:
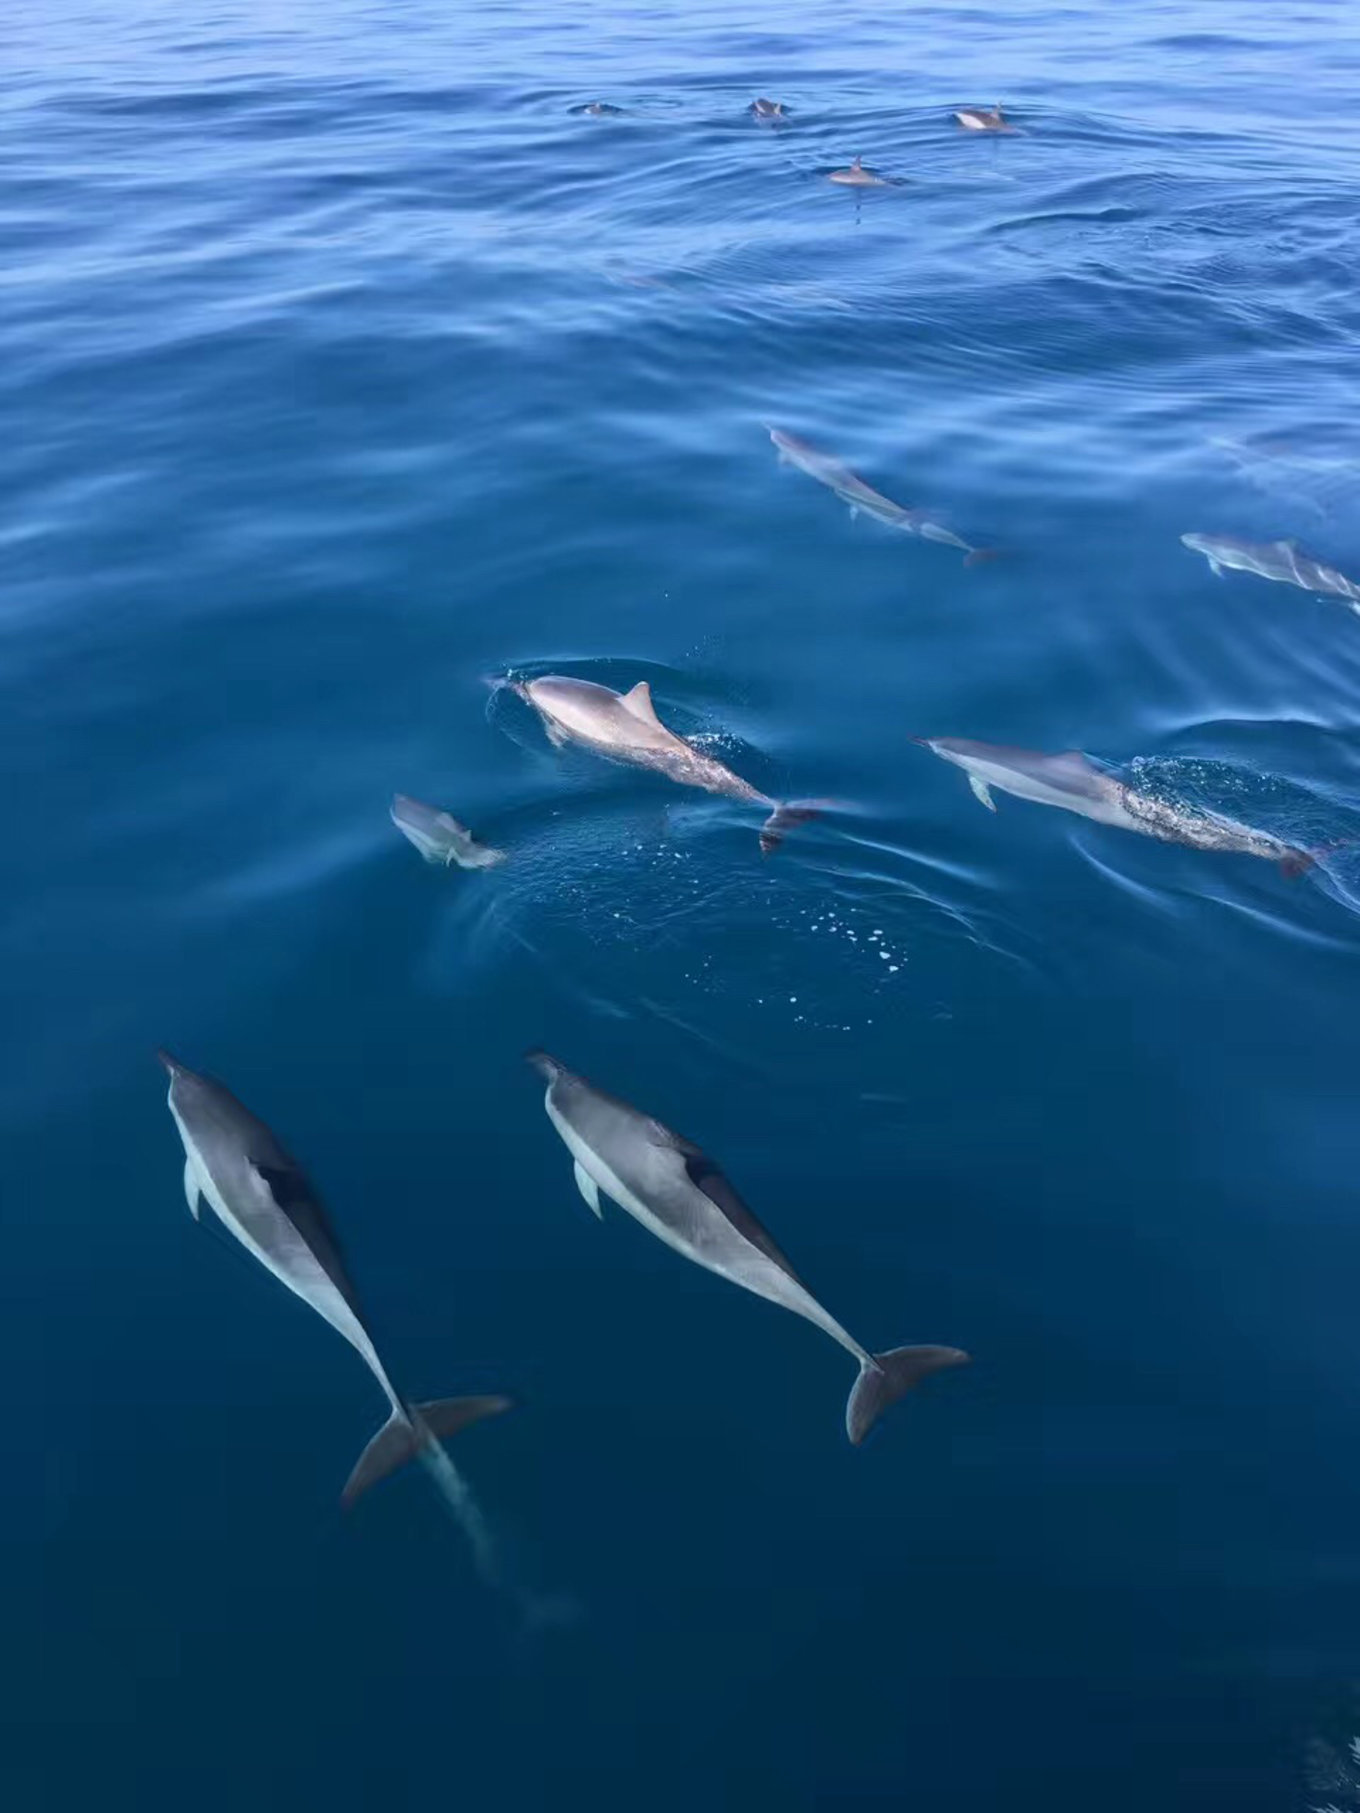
<point x="439" y="837"/>
<point x="795" y="451"/>
<point x="260" y="1195"/>
<point x="625" y="727"/>
<point x="1073" y="782"/>
<point x="681" y="1196"/>
<point x="857" y="177"/>
<point x="1284" y="561"/>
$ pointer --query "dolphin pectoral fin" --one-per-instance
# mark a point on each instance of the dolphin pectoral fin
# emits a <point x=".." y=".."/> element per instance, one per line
<point x="588" y="1187"/>
<point x="192" y="1193"/>
<point x="1216" y="568"/>
<point x="402" y="1437"/>
<point x="854" y="512"/>
<point x="554" y="733"/>
<point x="982" y="791"/>
<point x="885" y="1377"/>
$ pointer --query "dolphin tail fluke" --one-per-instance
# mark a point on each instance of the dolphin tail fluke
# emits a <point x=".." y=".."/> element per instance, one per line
<point x="785" y="816"/>
<point x="977" y="557"/>
<point x="405" y="1433"/>
<point x="885" y="1377"/>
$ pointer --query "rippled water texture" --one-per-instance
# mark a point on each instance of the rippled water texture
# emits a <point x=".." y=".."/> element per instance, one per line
<point x="345" y="364"/>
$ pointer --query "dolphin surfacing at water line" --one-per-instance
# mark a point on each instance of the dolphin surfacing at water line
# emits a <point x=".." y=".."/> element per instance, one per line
<point x="1074" y="783"/>
<point x="679" y="1194"/>
<point x="625" y="728"/>
<point x="261" y="1196"/>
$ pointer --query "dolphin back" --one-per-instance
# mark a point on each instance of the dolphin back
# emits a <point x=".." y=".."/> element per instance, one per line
<point x="235" y="1143"/>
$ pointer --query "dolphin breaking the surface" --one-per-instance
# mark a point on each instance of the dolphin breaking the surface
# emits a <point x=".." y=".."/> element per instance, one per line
<point x="625" y="728"/>
<point x="795" y="451"/>
<point x="1073" y="782"/>
<point x="1284" y="561"/>
<point x="680" y="1195"/>
<point x="261" y="1196"/>
<point x="439" y="837"/>
<point x="983" y="119"/>
<point x="855" y="176"/>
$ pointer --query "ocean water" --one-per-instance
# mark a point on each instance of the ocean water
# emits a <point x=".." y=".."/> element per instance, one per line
<point x="345" y="364"/>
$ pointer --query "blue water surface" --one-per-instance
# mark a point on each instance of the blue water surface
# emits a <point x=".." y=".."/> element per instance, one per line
<point x="343" y="365"/>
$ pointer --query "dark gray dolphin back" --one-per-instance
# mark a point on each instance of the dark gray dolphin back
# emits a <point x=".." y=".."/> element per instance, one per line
<point x="707" y="1175"/>
<point x="597" y="1112"/>
<point x="221" y="1124"/>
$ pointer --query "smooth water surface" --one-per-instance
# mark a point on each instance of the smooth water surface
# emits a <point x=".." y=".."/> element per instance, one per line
<point x="344" y="364"/>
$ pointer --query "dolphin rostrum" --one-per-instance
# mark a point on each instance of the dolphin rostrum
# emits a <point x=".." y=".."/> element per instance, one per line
<point x="795" y="451"/>
<point x="439" y="837"/>
<point x="679" y="1194"/>
<point x="1073" y="782"/>
<point x="260" y="1194"/>
<point x="1284" y="561"/>
<point x="625" y="728"/>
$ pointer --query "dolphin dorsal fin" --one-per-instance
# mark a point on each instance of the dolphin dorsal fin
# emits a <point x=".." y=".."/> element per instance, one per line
<point x="638" y="700"/>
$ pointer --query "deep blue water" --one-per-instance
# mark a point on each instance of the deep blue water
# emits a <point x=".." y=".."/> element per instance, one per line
<point x="343" y="364"/>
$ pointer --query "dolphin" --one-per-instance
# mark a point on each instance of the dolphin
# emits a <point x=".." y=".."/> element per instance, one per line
<point x="625" y="728"/>
<point x="983" y="119"/>
<point x="601" y="109"/>
<point x="260" y="1194"/>
<point x="679" y="1194"/>
<point x="1284" y="561"/>
<point x="761" y="109"/>
<point x="795" y="451"/>
<point x="857" y="177"/>
<point x="1073" y="782"/>
<point x="439" y="837"/>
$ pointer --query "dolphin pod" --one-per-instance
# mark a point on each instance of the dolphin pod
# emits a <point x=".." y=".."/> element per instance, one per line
<point x="1282" y="561"/>
<point x="625" y="728"/>
<point x="261" y="1196"/>
<point x="1074" y="783"/>
<point x="679" y="1194"/>
<point x="234" y="1163"/>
